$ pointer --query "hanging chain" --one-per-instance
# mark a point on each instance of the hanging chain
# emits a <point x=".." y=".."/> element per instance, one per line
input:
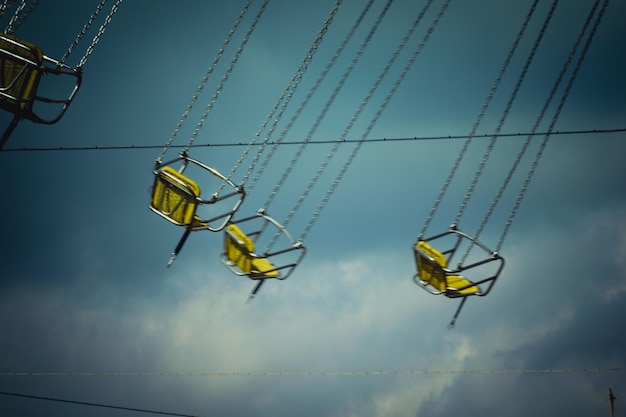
<point x="6" y="4"/>
<point x="533" y="131"/>
<point x="229" y="70"/>
<point x="16" y="15"/>
<point x="96" y="38"/>
<point x="293" y="119"/>
<point x="555" y="117"/>
<point x="284" y="98"/>
<point x="479" y="118"/>
<point x="505" y="113"/>
<point x="204" y="81"/>
<point x="332" y="97"/>
<point x="383" y="105"/>
<point x="25" y="14"/>
<point x="86" y="27"/>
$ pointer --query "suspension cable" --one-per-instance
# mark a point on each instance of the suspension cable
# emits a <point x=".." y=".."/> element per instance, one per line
<point x="226" y="75"/>
<point x="378" y="113"/>
<point x="332" y="97"/>
<point x="10" y="26"/>
<point x="284" y="99"/>
<point x="555" y="117"/>
<point x="374" y="120"/>
<point x="203" y="83"/>
<point x="479" y="118"/>
<point x="305" y="101"/>
<point x="98" y="35"/>
<point x="539" y="119"/>
<point x="22" y="16"/>
<point x="505" y="112"/>
<point x="6" y="4"/>
<point x="81" y="34"/>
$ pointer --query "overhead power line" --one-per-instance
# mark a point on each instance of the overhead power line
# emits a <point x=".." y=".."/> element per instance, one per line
<point x="116" y="407"/>
<point x="312" y="373"/>
<point x="319" y="142"/>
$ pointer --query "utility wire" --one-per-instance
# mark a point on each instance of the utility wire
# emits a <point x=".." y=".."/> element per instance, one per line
<point x="116" y="407"/>
<point x="319" y="142"/>
<point x="314" y="373"/>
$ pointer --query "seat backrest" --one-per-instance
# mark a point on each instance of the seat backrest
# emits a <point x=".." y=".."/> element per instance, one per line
<point x="430" y="264"/>
<point x="238" y="248"/>
<point x="175" y="196"/>
<point x="20" y="71"/>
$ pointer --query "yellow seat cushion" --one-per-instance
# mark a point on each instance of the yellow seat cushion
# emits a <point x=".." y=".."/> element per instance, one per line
<point x="433" y="253"/>
<point x="433" y="273"/>
<point x="457" y="281"/>
<point x="174" y="195"/>
<point x="245" y="259"/>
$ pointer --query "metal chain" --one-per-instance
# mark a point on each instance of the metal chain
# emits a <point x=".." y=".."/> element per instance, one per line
<point x="96" y="38"/>
<point x="6" y="4"/>
<point x="382" y="107"/>
<point x="555" y="117"/>
<point x="357" y="114"/>
<point x="10" y="26"/>
<point x="204" y="81"/>
<point x="25" y="14"/>
<point x="479" y="118"/>
<point x="229" y="70"/>
<point x="297" y="113"/>
<point x="332" y="97"/>
<point x="505" y="113"/>
<point x="80" y="36"/>
<point x="533" y="131"/>
<point x="284" y="99"/>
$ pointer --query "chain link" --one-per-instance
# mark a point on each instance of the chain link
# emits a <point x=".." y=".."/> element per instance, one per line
<point x="479" y="118"/>
<point x="96" y="38"/>
<point x="283" y="100"/>
<point x="80" y="36"/>
<point x="10" y="26"/>
<point x="229" y="70"/>
<point x="557" y="112"/>
<point x="204" y="81"/>
<point x="322" y="114"/>
<point x="505" y="113"/>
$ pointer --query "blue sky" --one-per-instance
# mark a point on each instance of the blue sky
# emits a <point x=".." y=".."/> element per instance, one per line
<point x="84" y="288"/>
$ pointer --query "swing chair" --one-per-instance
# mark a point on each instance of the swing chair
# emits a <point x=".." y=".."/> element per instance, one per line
<point x="177" y="198"/>
<point x="435" y="259"/>
<point x="242" y="256"/>
<point x="22" y="66"/>
<point x="436" y="274"/>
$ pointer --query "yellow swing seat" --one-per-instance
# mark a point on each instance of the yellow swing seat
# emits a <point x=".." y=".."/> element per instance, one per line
<point x="177" y="198"/>
<point x="239" y="250"/>
<point x="241" y="254"/>
<point x="432" y="272"/>
<point x="22" y="65"/>
<point x="435" y="275"/>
